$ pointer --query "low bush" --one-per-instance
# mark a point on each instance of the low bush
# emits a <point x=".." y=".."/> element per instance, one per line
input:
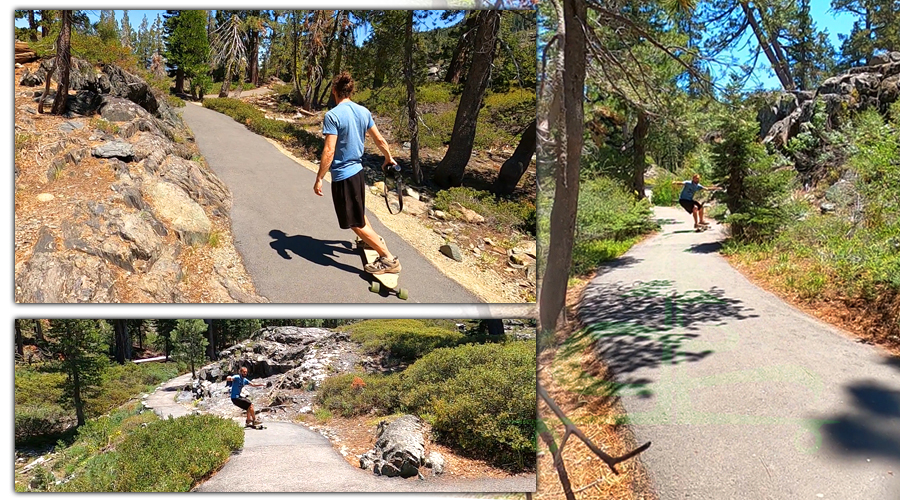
<point x="401" y="339"/>
<point x="377" y="394"/>
<point x="162" y="455"/>
<point x="256" y="121"/>
<point x="479" y="398"/>
<point x="502" y="215"/>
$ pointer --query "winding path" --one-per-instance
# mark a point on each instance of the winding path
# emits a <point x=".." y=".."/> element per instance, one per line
<point x="742" y="396"/>
<point x="287" y="457"/>
<point x="288" y="237"/>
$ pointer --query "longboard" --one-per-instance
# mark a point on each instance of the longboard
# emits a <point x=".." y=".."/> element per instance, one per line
<point x="389" y="281"/>
<point x="703" y="227"/>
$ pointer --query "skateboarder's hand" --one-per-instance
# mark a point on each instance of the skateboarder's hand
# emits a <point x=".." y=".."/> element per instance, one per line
<point x="317" y="187"/>
<point x="388" y="160"/>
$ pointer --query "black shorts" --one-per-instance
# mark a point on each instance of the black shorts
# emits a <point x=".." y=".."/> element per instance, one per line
<point x="689" y="205"/>
<point x="243" y="403"/>
<point x="349" y="196"/>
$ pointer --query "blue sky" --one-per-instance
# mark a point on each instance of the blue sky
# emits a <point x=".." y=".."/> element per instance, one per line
<point x="135" y="17"/>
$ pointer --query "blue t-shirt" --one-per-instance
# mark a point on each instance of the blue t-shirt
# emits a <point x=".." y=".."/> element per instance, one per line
<point x="349" y="122"/>
<point x="689" y="189"/>
<point x="237" y="383"/>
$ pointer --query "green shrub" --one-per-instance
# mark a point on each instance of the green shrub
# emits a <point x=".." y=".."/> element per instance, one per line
<point x="588" y="254"/>
<point x="665" y="192"/>
<point x="124" y="382"/>
<point x="479" y="398"/>
<point x="163" y="455"/>
<point x="402" y="339"/>
<point x="339" y="394"/>
<point x="502" y="215"/>
<point x="256" y="121"/>
<point x="608" y="211"/>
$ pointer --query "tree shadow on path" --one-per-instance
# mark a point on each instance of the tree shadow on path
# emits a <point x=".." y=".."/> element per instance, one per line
<point x="871" y="428"/>
<point x="316" y="251"/>
<point x="643" y="325"/>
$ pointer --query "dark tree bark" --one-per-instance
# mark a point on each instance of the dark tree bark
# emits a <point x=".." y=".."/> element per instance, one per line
<point x="211" y="333"/>
<point x="449" y="172"/>
<point x="491" y="327"/>
<point x="63" y="63"/>
<point x="411" y="102"/>
<point x="123" y="340"/>
<point x="639" y="161"/>
<point x="76" y="396"/>
<point x="179" y="81"/>
<point x="45" y="23"/>
<point x="32" y="26"/>
<point x="460" y="53"/>
<point x="253" y="55"/>
<point x="570" y="141"/>
<point x="39" y="331"/>
<point x="514" y="168"/>
<point x="20" y="341"/>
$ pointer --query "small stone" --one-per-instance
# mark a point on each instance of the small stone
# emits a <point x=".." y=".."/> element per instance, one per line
<point x="440" y="214"/>
<point x="45" y="197"/>
<point x="827" y="208"/>
<point x="412" y="193"/>
<point x="516" y="260"/>
<point x="452" y="250"/>
<point x="488" y="241"/>
<point x="70" y="126"/>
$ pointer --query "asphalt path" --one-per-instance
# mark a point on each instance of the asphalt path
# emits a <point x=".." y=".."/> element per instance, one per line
<point x="288" y="237"/>
<point x="288" y="457"/>
<point x="742" y="395"/>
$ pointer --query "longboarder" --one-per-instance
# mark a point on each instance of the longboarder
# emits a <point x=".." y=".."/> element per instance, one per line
<point x="687" y="201"/>
<point x="238" y="382"/>
<point x="345" y="128"/>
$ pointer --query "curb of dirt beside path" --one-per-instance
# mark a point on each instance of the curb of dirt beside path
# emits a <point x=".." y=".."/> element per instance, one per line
<point x="484" y="284"/>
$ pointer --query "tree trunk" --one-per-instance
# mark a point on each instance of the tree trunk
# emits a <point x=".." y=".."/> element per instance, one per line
<point x="570" y="141"/>
<point x="39" y="330"/>
<point x="20" y="341"/>
<point x="457" y="61"/>
<point x="226" y="83"/>
<point x="32" y="26"/>
<point x="179" y="81"/>
<point x="491" y="327"/>
<point x="253" y="55"/>
<point x="639" y="161"/>
<point x="783" y="75"/>
<point x="63" y="63"/>
<point x="411" y="103"/>
<point x="449" y="172"/>
<point x="212" y="325"/>
<point x="514" y="168"/>
<point x="45" y="23"/>
<point x="123" y="341"/>
<point x="76" y="394"/>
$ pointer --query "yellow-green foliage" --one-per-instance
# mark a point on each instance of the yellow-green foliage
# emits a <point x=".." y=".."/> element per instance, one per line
<point x="256" y="121"/>
<point x="479" y="398"/>
<point x="377" y="394"/>
<point x="502" y="215"/>
<point x="37" y="409"/>
<point x="402" y="339"/>
<point x="163" y="455"/>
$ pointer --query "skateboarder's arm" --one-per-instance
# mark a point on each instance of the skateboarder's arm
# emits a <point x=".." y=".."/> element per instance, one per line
<point x="381" y="144"/>
<point x="325" y="162"/>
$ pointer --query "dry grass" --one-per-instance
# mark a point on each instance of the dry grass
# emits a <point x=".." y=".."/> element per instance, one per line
<point x="863" y="320"/>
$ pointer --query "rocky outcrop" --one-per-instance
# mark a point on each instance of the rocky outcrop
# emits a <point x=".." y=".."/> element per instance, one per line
<point x="875" y="86"/>
<point x="158" y="191"/>
<point x="399" y="449"/>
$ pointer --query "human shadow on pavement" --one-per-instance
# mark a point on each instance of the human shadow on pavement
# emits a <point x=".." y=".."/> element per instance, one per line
<point x="711" y="247"/>
<point x="314" y="250"/>
<point x="645" y="324"/>
<point x="872" y="428"/>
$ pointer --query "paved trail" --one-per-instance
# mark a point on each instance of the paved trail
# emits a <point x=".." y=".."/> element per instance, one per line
<point x="743" y="396"/>
<point x="288" y="237"/>
<point x="290" y="457"/>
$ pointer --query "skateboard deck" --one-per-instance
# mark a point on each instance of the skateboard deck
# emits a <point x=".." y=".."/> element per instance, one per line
<point x="388" y="281"/>
<point x="703" y="227"/>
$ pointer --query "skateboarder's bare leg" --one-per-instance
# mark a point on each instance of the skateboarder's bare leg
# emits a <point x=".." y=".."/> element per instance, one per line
<point x="251" y="415"/>
<point x="694" y="213"/>
<point x="368" y="235"/>
<point x="701" y="216"/>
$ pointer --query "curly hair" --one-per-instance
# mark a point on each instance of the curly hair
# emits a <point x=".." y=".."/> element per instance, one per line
<point x="343" y="85"/>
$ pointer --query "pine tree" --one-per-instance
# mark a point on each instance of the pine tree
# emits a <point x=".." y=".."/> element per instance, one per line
<point x="143" y="46"/>
<point x="808" y="50"/>
<point x="78" y="345"/>
<point x="189" y="342"/>
<point x="187" y="46"/>
<point x="127" y="36"/>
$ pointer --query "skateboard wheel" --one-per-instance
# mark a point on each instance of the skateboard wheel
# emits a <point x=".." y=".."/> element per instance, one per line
<point x="375" y="288"/>
<point x="403" y="294"/>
